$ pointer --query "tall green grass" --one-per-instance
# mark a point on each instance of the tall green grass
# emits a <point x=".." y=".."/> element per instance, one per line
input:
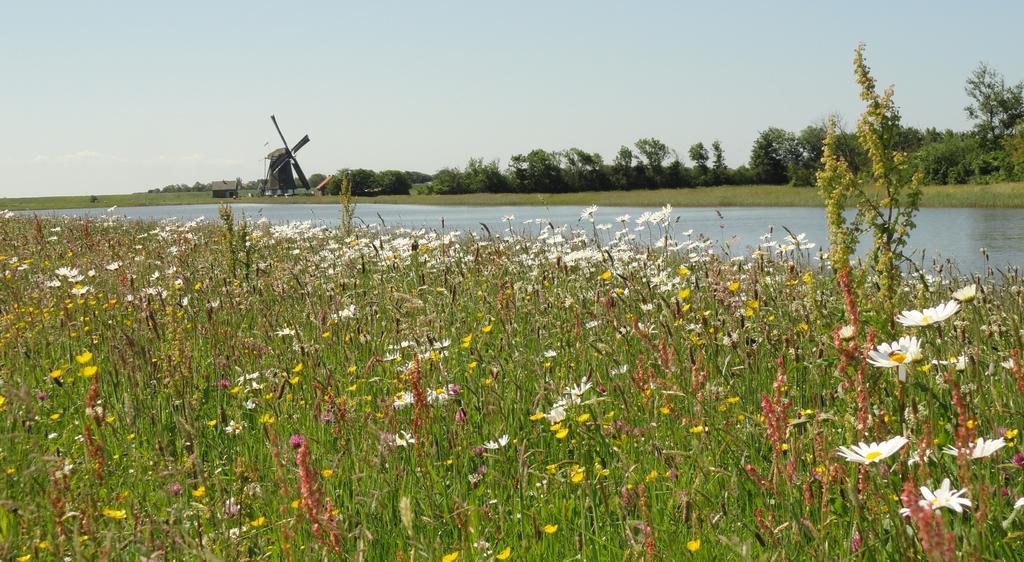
<point x="184" y="442"/>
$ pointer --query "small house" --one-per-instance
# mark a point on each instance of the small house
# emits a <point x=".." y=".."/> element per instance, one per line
<point x="321" y="188"/>
<point x="225" y="189"/>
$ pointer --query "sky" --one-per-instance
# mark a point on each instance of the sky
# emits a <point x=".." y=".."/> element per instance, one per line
<point x="117" y="97"/>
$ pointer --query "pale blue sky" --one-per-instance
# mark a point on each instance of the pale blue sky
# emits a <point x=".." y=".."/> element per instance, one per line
<point x="105" y="97"/>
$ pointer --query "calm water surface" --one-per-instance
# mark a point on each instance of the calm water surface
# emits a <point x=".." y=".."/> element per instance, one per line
<point x="941" y="234"/>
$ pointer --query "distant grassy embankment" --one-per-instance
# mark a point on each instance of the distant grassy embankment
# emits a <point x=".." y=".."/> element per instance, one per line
<point x="1007" y="195"/>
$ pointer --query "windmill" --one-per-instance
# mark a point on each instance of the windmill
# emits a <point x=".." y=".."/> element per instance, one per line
<point x="279" y="180"/>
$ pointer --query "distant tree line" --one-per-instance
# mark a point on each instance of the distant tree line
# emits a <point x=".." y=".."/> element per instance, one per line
<point x="364" y="182"/>
<point x="648" y="163"/>
<point x="369" y="182"/>
<point x="992" y="151"/>
<point x="200" y="186"/>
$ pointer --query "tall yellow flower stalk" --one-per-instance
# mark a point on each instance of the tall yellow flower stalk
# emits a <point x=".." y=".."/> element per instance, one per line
<point x="886" y="200"/>
<point x="890" y="212"/>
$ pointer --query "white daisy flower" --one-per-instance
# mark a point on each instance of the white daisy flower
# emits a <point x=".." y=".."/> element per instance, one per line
<point x="404" y="439"/>
<point x="556" y="414"/>
<point x="846" y="332"/>
<point x="402" y="399"/>
<point x="942" y="497"/>
<point x="866" y="453"/>
<point x="928" y="316"/>
<point x="982" y="448"/>
<point x="966" y="294"/>
<point x="496" y="444"/>
<point x="959" y="363"/>
<point x="896" y="354"/>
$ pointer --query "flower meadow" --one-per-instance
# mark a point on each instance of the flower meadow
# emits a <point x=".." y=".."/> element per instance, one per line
<point x="250" y="391"/>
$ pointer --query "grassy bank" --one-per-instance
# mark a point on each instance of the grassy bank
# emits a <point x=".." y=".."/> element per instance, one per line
<point x="199" y="392"/>
<point x="1008" y="195"/>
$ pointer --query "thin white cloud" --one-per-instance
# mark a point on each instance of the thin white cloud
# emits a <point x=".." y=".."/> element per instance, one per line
<point x="85" y="156"/>
<point x="80" y="156"/>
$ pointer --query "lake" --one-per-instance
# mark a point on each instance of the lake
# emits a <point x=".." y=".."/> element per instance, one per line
<point x="941" y="234"/>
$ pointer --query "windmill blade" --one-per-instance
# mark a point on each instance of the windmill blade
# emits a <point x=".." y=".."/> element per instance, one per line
<point x="280" y="134"/>
<point x="302" y="142"/>
<point x="298" y="172"/>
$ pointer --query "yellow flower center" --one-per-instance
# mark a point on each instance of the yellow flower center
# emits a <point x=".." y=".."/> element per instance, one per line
<point x="925" y="320"/>
<point x="872" y="455"/>
<point x="898" y="357"/>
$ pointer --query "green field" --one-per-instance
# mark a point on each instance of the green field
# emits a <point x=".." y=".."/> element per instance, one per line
<point x="214" y="392"/>
<point x="1009" y="195"/>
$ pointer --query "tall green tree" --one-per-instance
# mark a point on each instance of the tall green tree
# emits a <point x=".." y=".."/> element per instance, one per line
<point x="719" y="170"/>
<point x="392" y="182"/>
<point x="448" y="181"/>
<point x="654" y="152"/>
<point x="363" y="181"/>
<point x="774" y="151"/>
<point x="538" y="171"/>
<point x="584" y="171"/>
<point x="699" y="154"/>
<point x="485" y="177"/>
<point x="623" y="173"/>
<point x="997" y="109"/>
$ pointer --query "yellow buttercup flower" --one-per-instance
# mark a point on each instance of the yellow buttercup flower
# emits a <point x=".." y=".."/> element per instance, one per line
<point x="450" y="557"/>
<point x="114" y="513"/>
<point x="693" y="546"/>
<point x="504" y="554"/>
<point x="84" y="358"/>
<point x="550" y="529"/>
<point x="199" y="492"/>
<point x="89" y="372"/>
